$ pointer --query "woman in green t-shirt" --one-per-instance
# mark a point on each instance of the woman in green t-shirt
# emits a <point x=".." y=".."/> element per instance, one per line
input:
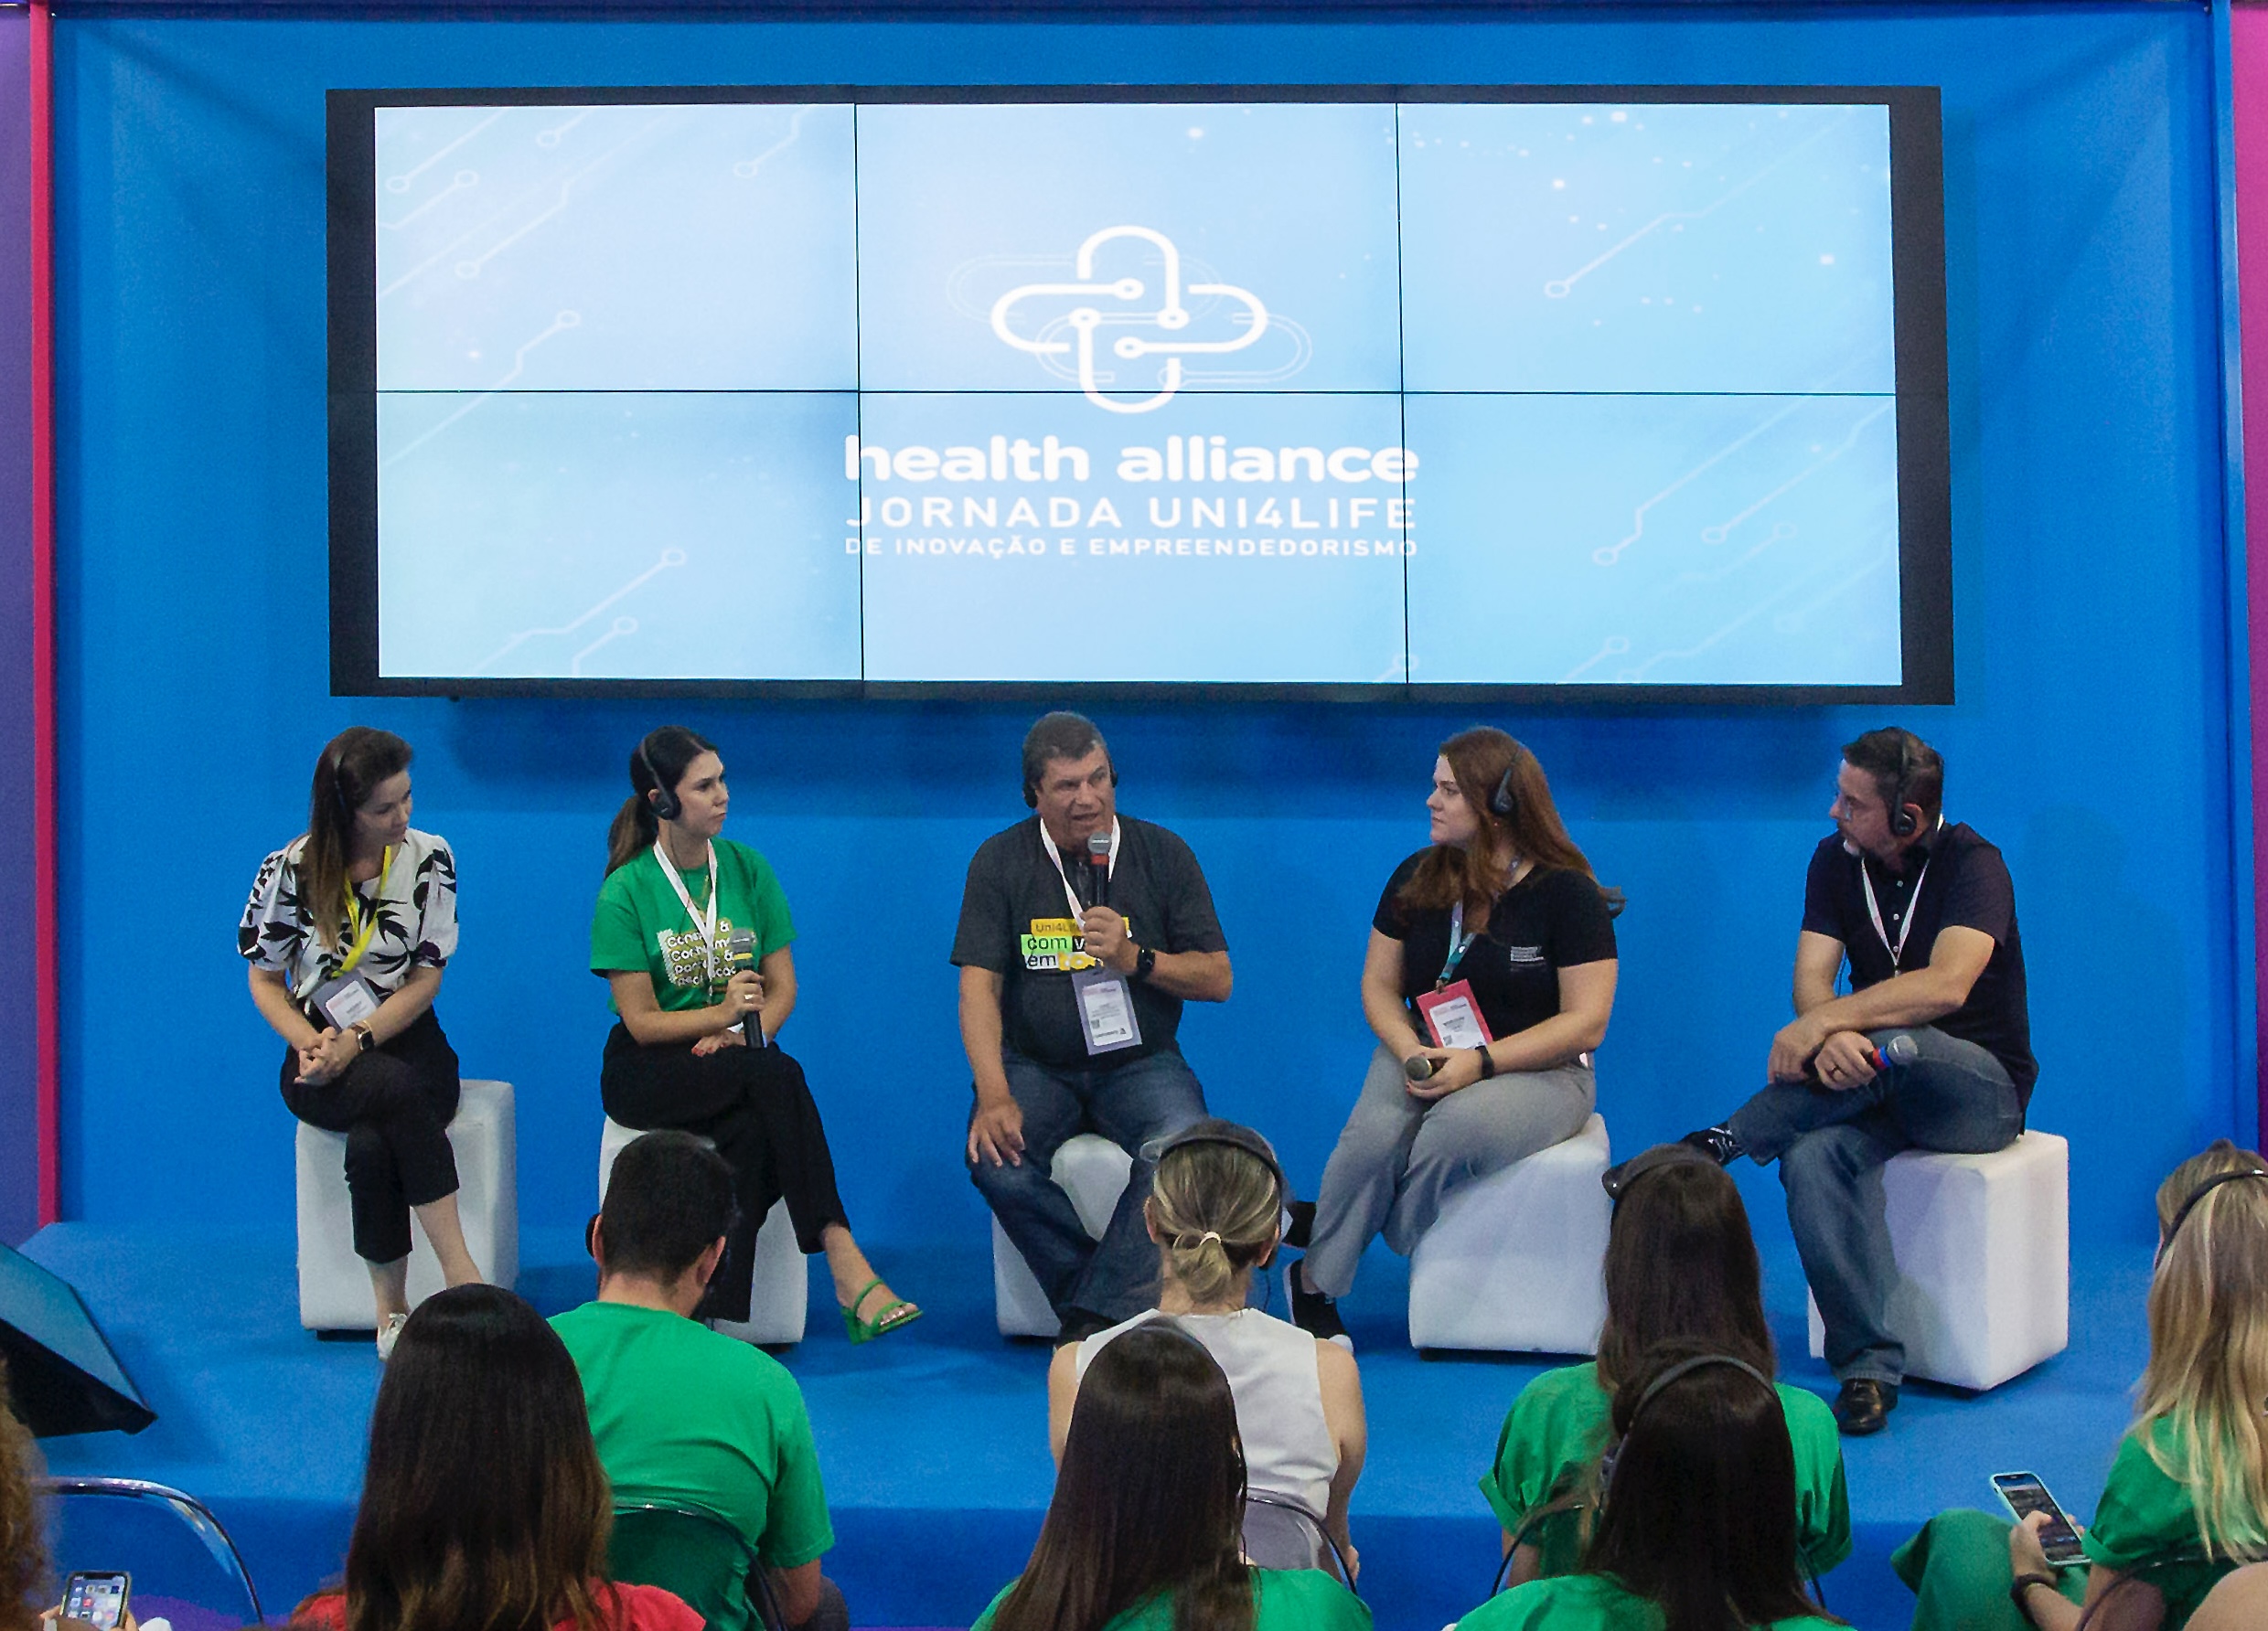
<point x="1681" y="1263"/>
<point x="2186" y="1499"/>
<point x="1697" y="1530"/>
<point x="692" y="934"/>
<point x="1142" y="1532"/>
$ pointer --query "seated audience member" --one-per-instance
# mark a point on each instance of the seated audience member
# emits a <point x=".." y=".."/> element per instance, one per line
<point x="1698" y="1528"/>
<point x="1214" y="1207"/>
<point x="1681" y="1265"/>
<point x="684" y="1416"/>
<point x="2187" y="1501"/>
<point x="1491" y="967"/>
<point x="483" y="1504"/>
<point x="23" y="1582"/>
<point x="2240" y="1603"/>
<point x="1142" y="1532"/>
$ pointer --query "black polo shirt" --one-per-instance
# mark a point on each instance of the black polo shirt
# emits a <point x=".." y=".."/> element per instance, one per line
<point x="1965" y="886"/>
<point x="1013" y="921"/>
<point x="1555" y="917"/>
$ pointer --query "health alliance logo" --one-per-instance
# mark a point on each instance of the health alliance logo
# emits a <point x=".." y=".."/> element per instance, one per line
<point x="1075" y="333"/>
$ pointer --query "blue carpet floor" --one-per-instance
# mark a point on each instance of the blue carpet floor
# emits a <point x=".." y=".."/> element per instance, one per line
<point x="933" y="1443"/>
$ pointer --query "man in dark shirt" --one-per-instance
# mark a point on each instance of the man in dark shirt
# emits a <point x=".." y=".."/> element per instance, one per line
<point x="1931" y="1049"/>
<point x="1081" y="933"/>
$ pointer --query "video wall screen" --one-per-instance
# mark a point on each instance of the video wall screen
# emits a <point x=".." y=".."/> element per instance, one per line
<point x="1623" y="391"/>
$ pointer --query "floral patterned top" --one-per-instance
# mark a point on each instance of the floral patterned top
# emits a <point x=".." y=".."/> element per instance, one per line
<point x="415" y="903"/>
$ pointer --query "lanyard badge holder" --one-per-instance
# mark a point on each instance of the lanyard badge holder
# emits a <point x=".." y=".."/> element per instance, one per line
<point x="348" y="998"/>
<point x="1104" y="999"/>
<point x="1450" y="1013"/>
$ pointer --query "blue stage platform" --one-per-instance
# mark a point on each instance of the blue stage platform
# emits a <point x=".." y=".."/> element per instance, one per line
<point x="933" y="1443"/>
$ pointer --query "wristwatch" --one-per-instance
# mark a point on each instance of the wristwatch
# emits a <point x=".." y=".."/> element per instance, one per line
<point x="1144" y="961"/>
<point x="1488" y="1064"/>
<point x="361" y="1027"/>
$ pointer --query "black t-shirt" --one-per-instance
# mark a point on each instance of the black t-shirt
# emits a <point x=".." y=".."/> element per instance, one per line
<point x="1555" y="917"/>
<point x="1013" y="923"/>
<point x="1966" y="886"/>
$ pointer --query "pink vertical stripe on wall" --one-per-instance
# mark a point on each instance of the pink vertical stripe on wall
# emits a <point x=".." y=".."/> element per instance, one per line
<point x="2249" y="43"/>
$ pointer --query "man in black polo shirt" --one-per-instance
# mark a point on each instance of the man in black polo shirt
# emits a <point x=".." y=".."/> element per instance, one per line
<point x="1932" y="1048"/>
<point x="1081" y="933"/>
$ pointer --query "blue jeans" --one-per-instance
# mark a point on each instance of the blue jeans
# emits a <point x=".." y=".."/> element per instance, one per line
<point x="1148" y="1098"/>
<point x="1832" y="1147"/>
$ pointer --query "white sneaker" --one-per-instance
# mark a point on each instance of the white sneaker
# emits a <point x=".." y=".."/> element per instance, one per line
<point x="388" y="1333"/>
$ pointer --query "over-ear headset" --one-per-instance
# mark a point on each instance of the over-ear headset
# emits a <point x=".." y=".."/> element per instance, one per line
<point x="1902" y="821"/>
<point x="1214" y="1130"/>
<point x="1683" y="1368"/>
<point x="2200" y="1192"/>
<point x="666" y="804"/>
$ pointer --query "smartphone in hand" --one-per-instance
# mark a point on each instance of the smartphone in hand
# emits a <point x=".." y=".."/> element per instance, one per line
<point x="99" y="1599"/>
<point x="2023" y="1494"/>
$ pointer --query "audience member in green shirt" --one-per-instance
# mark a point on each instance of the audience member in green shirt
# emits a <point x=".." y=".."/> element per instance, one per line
<point x="2186" y="1499"/>
<point x="686" y="1417"/>
<point x="1681" y="1263"/>
<point x="1142" y="1532"/>
<point x="691" y="935"/>
<point x="1698" y="1528"/>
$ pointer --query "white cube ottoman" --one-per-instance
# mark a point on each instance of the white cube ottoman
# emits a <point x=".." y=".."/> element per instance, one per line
<point x="1512" y="1264"/>
<point x="335" y="1284"/>
<point x="1092" y="1171"/>
<point x="779" y="1287"/>
<point x="1983" y="1260"/>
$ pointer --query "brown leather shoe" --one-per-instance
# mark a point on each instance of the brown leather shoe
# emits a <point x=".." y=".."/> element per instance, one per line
<point x="1864" y="1406"/>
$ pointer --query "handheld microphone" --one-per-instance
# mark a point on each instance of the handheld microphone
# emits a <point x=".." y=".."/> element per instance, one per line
<point x="1098" y="864"/>
<point x="1900" y="1049"/>
<point x="1418" y="1067"/>
<point x="740" y="945"/>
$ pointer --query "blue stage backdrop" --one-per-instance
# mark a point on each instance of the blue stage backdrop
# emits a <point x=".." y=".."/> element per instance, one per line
<point x="2090" y="738"/>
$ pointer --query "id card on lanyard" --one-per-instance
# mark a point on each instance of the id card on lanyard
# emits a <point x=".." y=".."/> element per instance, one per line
<point x="348" y="998"/>
<point x="1451" y="1012"/>
<point x="705" y="924"/>
<point x="1896" y="948"/>
<point x="1104" y="999"/>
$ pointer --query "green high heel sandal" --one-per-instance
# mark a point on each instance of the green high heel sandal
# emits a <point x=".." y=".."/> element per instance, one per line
<point x="893" y="1315"/>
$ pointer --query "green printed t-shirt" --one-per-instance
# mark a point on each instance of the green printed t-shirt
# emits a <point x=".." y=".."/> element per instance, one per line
<point x="1588" y="1603"/>
<point x="1289" y="1600"/>
<point x="2145" y="1517"/>
<point x="641" y="924"/>
<point x="1558" y="1427"/>
<point x="685" y="1416"/>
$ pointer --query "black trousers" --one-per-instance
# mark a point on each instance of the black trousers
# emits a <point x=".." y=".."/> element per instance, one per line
<point x="755" y="1106"/>
<point x="393" y="1104"/>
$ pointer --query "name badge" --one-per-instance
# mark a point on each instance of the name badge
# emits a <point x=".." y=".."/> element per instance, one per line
<point x="346" y="1000"/>
<point x="1454" y="1016"/>
<point x="1106" y="1006"/>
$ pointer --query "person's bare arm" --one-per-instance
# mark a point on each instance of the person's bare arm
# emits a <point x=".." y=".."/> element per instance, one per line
<point x="779" y="970"/>
<point x="1063" y="1392"/>
<point x="1194" y="977"/>
<point x="272" y="998"/>
<point x="1341" y="1384"/>
<point x="652" y="1025"/>
<point x="1957" y="957"/>
<point x="1382" y="997"/>
<point x="996" y="1131"/>
<point x="2240" y="1603"/>
<point x="797" y="1592"/>
<point x="2114" y="1601"/>
<point x="1818" y="959"/>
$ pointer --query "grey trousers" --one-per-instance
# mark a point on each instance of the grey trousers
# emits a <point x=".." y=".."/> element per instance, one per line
<point x="1399" y="1157"/>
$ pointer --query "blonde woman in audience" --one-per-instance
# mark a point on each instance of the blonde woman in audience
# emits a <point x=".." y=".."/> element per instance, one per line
<point x="23" y="1582"/>
<point x="1142" y="1534"/>
<point x="1214" y="1209"/>
<point x="2187" y="1501"/>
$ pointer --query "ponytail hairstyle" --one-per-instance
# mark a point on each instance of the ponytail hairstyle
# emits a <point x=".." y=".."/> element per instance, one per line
<point x="1216" y="1208"/>
<point x="1482" y="759"/>
<point x="669" y="753"/>
<point x="352" y="765"/>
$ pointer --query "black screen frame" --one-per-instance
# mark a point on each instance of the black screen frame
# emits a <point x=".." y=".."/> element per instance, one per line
<point x="1924" y="430"/>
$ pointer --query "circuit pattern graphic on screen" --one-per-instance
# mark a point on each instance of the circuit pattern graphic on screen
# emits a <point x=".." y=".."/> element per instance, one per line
<point x="1353" y="393"/>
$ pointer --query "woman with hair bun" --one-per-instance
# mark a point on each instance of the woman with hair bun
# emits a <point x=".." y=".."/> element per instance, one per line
<point x="1489" y="979"/>
<point x="347" y="932"/>
<point x="692" y="936"/>
<point x="1214" y="1207"/>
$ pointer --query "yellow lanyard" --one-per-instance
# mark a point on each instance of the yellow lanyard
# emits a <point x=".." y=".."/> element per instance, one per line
<point x="364" y="927"/>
